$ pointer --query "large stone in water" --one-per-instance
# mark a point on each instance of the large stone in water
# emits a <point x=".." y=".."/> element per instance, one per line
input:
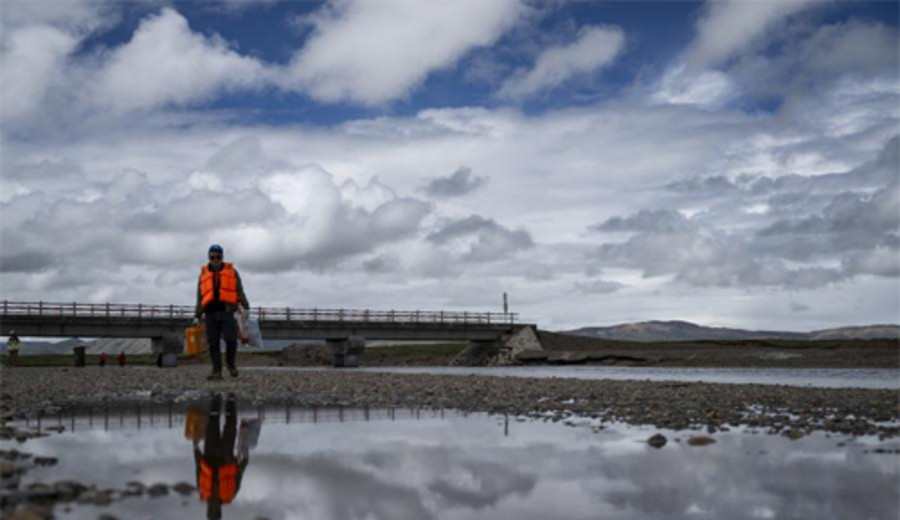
<point x="700" y="440"/>
<point x="657" y="441"/>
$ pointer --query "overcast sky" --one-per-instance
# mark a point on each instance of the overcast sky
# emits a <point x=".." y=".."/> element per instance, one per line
<point x="726" y="163"/>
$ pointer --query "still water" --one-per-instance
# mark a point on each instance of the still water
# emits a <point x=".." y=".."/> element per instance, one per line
<point x="815" y="377"/>
<point x="343" y="464"/>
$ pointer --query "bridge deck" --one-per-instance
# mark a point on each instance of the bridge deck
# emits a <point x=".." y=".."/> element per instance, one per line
<point x="139" y="320"/>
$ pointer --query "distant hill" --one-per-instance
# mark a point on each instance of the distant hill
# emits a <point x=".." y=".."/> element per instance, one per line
<point x="687" y="331"/>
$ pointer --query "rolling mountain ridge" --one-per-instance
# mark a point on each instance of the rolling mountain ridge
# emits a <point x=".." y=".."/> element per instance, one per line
<point x="687" y="331"/>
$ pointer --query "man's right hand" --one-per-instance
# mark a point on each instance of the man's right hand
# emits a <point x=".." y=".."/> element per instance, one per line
<point x="195" y="322"/>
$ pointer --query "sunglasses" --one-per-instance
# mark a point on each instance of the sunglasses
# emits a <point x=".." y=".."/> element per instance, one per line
<point x="215" y="257"/>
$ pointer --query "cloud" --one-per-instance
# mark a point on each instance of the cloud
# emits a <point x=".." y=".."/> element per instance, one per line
<point x="25" y="261"/>
<point x="809" y="57"/>
<point x="598" y="287"/>
<point x="708" y="88"/>
<point x="836" y="228"/>
<point x="276" y="220"/>
<point x="481" y="239"/>
<point x="375" y="52"/>
<point x="460" y="183"/>
<point x="594" y="48"/>
<point x="31" y="59"/>
<point x="728" y="27"/>
<point x="165" y="63"/>
<point x="649" y="221"/>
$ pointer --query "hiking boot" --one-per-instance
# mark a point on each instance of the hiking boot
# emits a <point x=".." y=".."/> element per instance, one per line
<point x="233" y="371"/>
<point x="215" y="376"/>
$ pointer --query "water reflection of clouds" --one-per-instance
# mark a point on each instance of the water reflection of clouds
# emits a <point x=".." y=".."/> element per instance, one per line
<point x="465" y="468"/>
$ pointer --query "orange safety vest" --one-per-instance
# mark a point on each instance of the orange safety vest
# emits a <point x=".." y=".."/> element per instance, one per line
<point x="227" y="284"/>
<point x="227" y="481"/>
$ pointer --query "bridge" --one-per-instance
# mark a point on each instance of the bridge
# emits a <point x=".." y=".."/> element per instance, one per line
<point x="344" y="330"/>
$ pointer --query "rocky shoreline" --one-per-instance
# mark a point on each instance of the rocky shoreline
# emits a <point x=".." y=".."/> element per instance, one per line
<point x="674" y="405"/>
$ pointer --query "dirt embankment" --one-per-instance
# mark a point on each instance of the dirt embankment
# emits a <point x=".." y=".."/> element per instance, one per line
<point x="855" y="353"/>
<point x="564" y="349"/>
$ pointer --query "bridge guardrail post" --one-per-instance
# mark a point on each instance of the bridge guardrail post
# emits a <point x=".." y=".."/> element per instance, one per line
<point x="315" y="314"/>
<point x="107" y="310"/>
<point x="171" y="312"/>
<point x="262" y="314"/>
<point x="442" y="316"/>
<point x="140" y="311"/>
<point x="74" y="309"/>
<point x="465" y="316"/>
<point x="287" y="313"/>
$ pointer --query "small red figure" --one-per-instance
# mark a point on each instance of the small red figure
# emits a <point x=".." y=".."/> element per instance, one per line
<point x="121" y="359"/>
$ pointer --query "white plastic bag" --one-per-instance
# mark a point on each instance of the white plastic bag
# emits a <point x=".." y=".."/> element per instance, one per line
<point x="254" y="335"/>
<point x="243" y="324"/>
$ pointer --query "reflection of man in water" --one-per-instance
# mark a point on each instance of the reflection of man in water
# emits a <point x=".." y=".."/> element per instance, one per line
<point x="219" y="469"/>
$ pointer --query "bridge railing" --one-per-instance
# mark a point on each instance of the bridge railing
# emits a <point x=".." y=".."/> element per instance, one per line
<point x="268" y="314"/>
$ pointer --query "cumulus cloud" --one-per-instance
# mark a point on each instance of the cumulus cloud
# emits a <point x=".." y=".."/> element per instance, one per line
<point x="480" y="239"/>
<point x="284" y="218"/>
<point x="594" y="48"/>
<point x="461" y="182"/>
<point x="31" y="60"/>
<point x="166" y="63"/>
<point x="836" y="228"/>
<point x="374" y="52"/>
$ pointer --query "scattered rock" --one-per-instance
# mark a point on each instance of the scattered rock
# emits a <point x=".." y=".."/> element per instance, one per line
<point x="700" y="440"/>
<point x="68" y="490"/>
<point x="158" y="490"/>
<point x="657" y="441"/>
<point x="183" y="488"/>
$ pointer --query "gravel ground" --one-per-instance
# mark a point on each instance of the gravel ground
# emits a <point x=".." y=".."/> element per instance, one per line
<point x="792" y="411"/>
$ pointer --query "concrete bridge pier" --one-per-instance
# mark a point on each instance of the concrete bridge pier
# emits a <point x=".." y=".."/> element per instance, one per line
<point x="346" y="351"/>
<point x="170" y="344"/>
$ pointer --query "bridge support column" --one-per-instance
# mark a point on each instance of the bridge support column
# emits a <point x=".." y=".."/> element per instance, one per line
<point x="346" y="351"/>
<point x="169" y="345"/>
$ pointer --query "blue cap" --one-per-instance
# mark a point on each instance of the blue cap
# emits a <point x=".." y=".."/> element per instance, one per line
<point x="217" y="248"/>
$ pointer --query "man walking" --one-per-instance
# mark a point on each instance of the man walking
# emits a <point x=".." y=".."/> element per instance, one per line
<point x="219" y="291"/>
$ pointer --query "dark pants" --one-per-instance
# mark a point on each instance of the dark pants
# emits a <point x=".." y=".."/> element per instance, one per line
<point x="221" y="325"/>
<point x="219" y="447"/>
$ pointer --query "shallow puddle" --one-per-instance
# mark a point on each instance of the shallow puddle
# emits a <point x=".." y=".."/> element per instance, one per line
<point x="334" y="463"/>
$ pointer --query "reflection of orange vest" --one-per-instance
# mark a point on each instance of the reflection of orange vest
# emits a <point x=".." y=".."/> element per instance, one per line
<point x="227" y="481"/>
<point x="227" y="284"/>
